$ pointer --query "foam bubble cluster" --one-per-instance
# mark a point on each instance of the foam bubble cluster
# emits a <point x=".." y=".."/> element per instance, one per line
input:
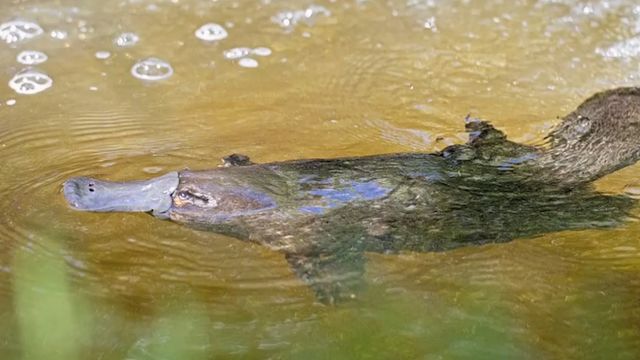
<point x="19" y="30"/>
<point x="211" y="32"/>
<point x="127" y="39"/>
<point x="31" y="57"/>
<point x="289" y="19"/>
<point x="236" y="53"/>
<point x="242" y="55"/>
<point x="152" y="69"/>
<point x="59" y="34"/>
<point x="30" y="81"/>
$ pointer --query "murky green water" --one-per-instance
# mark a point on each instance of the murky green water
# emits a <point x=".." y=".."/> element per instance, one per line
<point x="339" y="78"/>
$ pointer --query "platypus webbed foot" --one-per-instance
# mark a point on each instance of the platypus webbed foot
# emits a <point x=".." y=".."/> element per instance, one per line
<point x="334" y="278"/>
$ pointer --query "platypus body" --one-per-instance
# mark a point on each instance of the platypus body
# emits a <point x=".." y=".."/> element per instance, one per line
<point x="324" y="214"/>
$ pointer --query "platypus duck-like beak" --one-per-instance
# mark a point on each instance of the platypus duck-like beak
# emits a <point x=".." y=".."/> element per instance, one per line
<point x="154" y="195"/>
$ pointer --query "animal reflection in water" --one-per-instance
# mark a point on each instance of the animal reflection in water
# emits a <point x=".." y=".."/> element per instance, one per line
<point x="323" y="215"/>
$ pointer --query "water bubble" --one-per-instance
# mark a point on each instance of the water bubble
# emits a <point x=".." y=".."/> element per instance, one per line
<point x="236" y="53"/>
<point x="242" y="53"/>
<point x="261" y="51"/>
<point x="430" y="24"/>
<point x="19" y="30"/>
<point x="248" y="63"/>
<point x="30" y="81"/>
<point x="59" y="34"/>
<point x="289" y="19"/>
<point x="127" y="39"/>
<point x="152" y="69"/>
<point x="11" y="102"/>
<point x="211" y="32"/>
<point x="31" y="57"/>
<point x="102" y="55"/>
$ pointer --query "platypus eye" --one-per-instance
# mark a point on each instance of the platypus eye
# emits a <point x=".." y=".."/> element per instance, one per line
<point x="197" y="198"/>
<point x="184" y="195"/>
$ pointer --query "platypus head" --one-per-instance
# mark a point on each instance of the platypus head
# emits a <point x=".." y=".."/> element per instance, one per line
<point x="601" y="136"/>
<point x="218" y="198"/>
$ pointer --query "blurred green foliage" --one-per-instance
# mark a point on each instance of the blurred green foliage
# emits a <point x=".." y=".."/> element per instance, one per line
<point x="464" y="322"/>
<point x="53" y="323"/>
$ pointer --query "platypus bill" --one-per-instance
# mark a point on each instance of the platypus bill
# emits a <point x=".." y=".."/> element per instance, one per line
<point x="323" y="215"/>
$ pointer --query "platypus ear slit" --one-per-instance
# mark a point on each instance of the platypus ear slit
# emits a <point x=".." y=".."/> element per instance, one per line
<point x="572" y="129"/>
<point x="481" y="131"/>
<point x="236" y="160"/>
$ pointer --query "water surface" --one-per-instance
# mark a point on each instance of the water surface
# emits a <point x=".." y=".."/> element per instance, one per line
<point x="131" y="89"/>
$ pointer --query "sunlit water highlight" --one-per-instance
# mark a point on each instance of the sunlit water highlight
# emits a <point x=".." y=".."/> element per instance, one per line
<point x="331" y="78"/>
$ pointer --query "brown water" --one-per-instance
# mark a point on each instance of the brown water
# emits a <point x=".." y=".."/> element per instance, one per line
<point x="347" y="78"/>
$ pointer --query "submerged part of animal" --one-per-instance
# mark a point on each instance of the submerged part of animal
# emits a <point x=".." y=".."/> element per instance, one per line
<point x="323" y="215"/>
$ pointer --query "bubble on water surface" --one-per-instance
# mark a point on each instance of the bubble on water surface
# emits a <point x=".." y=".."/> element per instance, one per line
<point x="19" y="30"/>
<point x="102" y="55"/>
<point x="152" y="69"/>
<point x="430" y="24"/>
<point x="31" y="57"/>
<point x="289" y="19"/>
<point x="127" y="39"/>
<point x="261" y="51"/>
<point x="248" y="63"/>
<point x="211" y="32"/>
<point x="58" y="34"/>
<point x="236" y="53"/>
<point x="30" y="81"/>
<point x="244" y="52"/>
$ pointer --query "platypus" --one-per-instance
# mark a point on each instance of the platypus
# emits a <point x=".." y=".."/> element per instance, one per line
<point x="324" y="214"/>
